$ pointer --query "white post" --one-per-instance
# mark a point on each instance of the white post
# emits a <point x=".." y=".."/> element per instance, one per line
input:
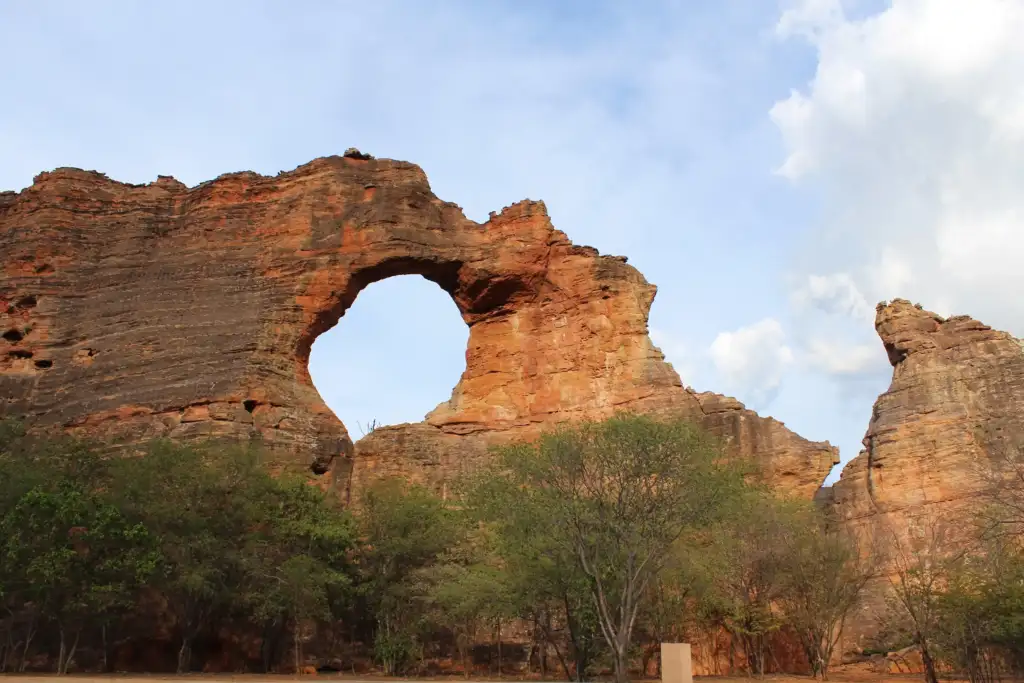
<point x="676" y="663"/>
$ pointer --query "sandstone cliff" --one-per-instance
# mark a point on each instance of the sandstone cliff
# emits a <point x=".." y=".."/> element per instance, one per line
<point x="142" y="310"/>
<point x="956" y="402"/>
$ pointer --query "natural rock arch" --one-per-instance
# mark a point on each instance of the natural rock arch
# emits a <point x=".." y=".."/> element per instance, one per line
<point x="394" y="355"/>
<point x="167" y="310"/>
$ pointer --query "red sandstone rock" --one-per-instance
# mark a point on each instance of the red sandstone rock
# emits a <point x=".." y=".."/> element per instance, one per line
<point x="956" y="400"/>
<point x="146" y="310"/>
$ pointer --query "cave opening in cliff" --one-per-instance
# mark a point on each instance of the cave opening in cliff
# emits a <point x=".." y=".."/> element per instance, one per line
<point x="394" y="355"/>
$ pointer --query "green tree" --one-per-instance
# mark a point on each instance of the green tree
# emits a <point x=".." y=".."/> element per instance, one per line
<point x="404" y="529"/>
<point x="749" y="551"/>
<point x="198" y="500"/>
<point x="923" y="559"/>
<point x="296" y="559"/>
<point x="80" y="557"/>
<point x="980" y="624"/>
<point x="825" y="571"/>
<point x="620" y="494"/>
<point x="543" y="582"/>
<point x="673" y="595"/>
<point x="466" y="591"/>
<point x="67" y="555"/>
<point x="204" y="526"/>
<point x="980" y="629"/>
<point x="21" y="469"/>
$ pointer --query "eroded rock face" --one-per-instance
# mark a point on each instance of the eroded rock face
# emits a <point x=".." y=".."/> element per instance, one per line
<point x="956" y="402"/>
<point x="146" y="310"/>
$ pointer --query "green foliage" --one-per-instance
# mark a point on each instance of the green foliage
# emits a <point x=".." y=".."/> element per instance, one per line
<point x="616" y="496"/>
<point x="748" y="549"/>
<point x="541" y="580"/>
<point x="467" y="591"/>
<point x="824" y="572"/>
<point x="980" y="624"/>
<point x="605" y="538"/>
<point x="84" y="535"/>
<point x="67" y="555"/>
<point x="405" y="532"/>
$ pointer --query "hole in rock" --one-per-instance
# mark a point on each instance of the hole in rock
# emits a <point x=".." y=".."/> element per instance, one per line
<point x="249" y="405"/>
<point x="44" y="363"/>
<point x="27" y="302"/>
<point x="14" y="336"/>
<point x="394" y="355"/>
<point x="20" y="353"/>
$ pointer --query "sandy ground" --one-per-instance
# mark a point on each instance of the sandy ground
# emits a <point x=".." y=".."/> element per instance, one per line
<point x="851" y="675"/>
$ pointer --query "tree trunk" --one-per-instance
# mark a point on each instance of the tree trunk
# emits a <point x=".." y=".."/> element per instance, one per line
<point x="463" y="655"/>
<point x="929" y="663"/>
<point x="185" y="654"/>
<point x="499" y="647"/>
<point x="71" y="653"/>
<point x="103" y="641"/>
<point x="29" y="635"/>
<point x="621" y="664"/>
<point x="295" y="649"/>
<point x="60" y="652"/>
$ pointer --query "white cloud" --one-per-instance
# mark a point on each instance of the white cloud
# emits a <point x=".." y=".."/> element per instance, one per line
<point x="807" y="18"/>
<point x="835" y="294"/>
<point x="837" y="358"/>
<point x="912" y="128"/>
<point x="752" y="360"/>
<point x="643" y="131"/>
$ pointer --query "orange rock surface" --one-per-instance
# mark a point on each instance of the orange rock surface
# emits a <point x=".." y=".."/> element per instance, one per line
<point x="162" y="310"/>
<point x="956" y="402"/>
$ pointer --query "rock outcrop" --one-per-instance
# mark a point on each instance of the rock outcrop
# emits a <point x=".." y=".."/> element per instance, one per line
<point x="955" y="404"/>
<point x="136" y="311"/>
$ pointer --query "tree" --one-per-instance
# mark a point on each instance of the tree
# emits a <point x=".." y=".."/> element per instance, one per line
<point x="921" y="563"/>
<point x="619" y="494"/>
<point x="542" y="580"/>
<point x="980" y="630"/>
<point x="22" y="468"/>
<point x="295" y="559"/>
<point x="80" y="556"/>
<point x="467" y="590"/>
<point x="67" y="555"/>
<point x="404" y="529"/>
<point x="825" y="572"/>
<point x="749" y="549"/>
<point x="85" y="530"/>
<point x="198" y="500"/>
<point x="672" y="595"/>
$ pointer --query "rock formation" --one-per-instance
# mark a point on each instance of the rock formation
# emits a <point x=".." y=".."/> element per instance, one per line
<point x="137" y="311"/>
<point x="956" y="402"/>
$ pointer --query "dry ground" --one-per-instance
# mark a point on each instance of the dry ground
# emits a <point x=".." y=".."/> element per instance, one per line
<point x="842" y="675"/>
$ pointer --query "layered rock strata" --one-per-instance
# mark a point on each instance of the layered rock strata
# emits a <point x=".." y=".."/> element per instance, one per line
<point x="954" y="409"/>
<point x="137" y="311"/>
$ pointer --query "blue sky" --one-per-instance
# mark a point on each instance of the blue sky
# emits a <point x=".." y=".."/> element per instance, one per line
<point x="775" y="168"/>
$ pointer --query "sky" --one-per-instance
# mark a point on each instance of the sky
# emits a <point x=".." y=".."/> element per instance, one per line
<point x="775" y="168"/>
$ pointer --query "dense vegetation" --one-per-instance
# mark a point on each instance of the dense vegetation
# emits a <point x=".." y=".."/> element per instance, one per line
<point x="584" y="550"/>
